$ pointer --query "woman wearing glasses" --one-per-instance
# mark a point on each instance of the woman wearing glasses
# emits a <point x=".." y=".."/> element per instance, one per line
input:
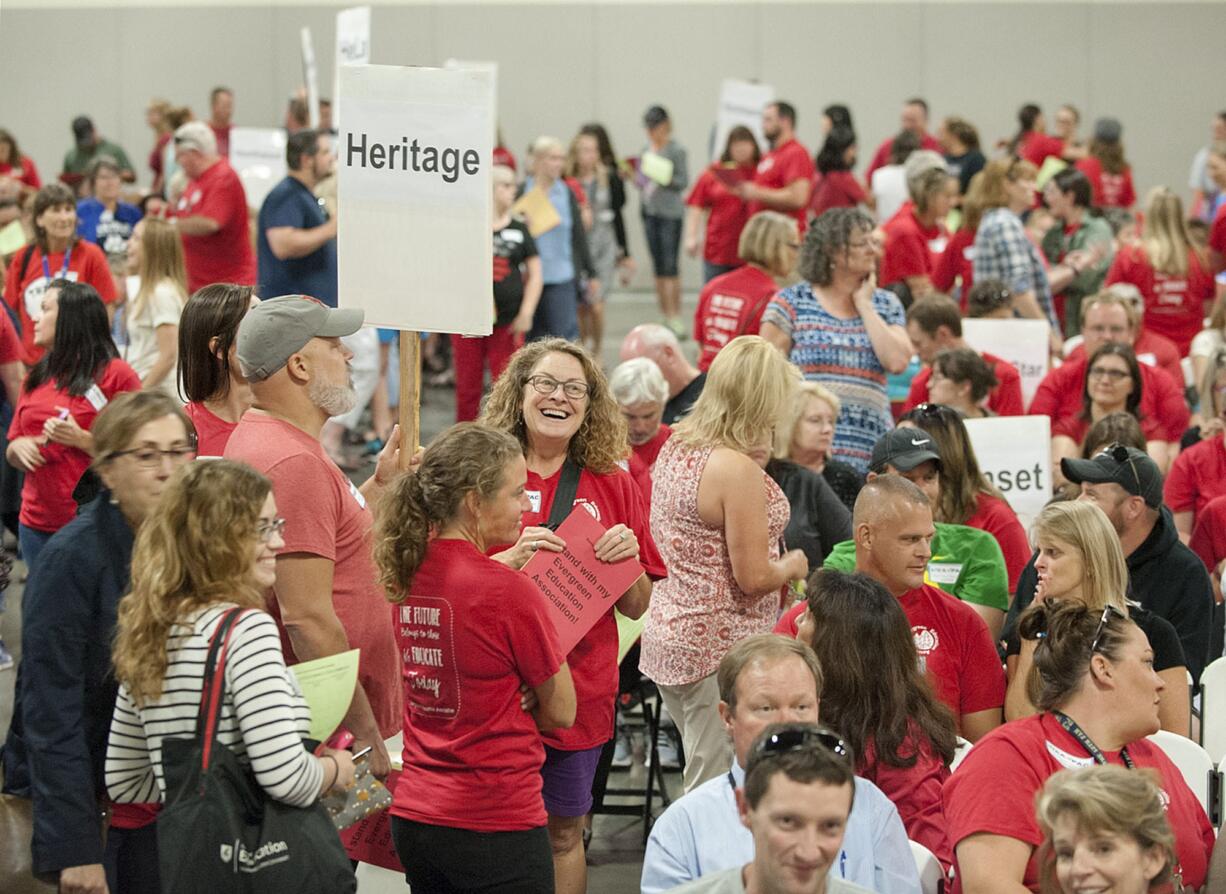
<point x="1113" y="384"/>
<point x="1080" y="560"/>
<point x="57" y="744"/>
<point x="554" y="398"/>
<point x="49" y="437"/>
<point x="841" y="330"/>
<point x="1099" y="696"/>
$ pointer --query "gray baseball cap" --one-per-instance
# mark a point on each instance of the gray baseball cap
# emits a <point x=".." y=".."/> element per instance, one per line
<point x="278" y="327"/>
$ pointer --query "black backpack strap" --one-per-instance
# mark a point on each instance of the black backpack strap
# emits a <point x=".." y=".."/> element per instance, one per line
<point x="564" y="496"/>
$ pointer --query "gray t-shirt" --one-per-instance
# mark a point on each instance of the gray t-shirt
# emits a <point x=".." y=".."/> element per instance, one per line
<point x="729" y="882"/>
<point x="668" y="201"/>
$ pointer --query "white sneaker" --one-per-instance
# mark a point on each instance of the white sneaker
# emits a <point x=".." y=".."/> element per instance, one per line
<point x="623" y="753"/>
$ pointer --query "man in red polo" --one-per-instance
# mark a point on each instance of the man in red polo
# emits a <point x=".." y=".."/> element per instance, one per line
<point x="1151" y="348"/>
<point x="934" y="325"/>
<point x="1109" y="318"/>
<point x="784" y="179"/>
<point x="914" y="118"/>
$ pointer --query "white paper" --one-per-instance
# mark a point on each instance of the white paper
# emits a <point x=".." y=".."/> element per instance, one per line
<point x="352" y="48"/>
<point x="414" y="244"/>
<point x="257" y="155"/>
<point x="310" y="76"/>
<point x="740" y="102"/>
<point x="1024" y="343"/>
<point x="1015" y="453"/>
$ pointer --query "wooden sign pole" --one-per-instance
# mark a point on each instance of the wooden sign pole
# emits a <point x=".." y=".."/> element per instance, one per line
<point x="410" y="396"/>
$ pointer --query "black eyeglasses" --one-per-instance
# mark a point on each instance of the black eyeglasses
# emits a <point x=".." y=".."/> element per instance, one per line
<point x="1108" y="611"/>
<point x="800" y="739"/>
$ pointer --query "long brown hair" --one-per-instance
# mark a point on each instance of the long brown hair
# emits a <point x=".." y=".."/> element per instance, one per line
<point x="601" y="441"/>
<point x="161" y="261"/>
<point x="213" y="312"/>
<point x="961" y="480"/>
<point x="466" y="458"/>
<point x="874" y="692"/>
<point x="195" y="549"/>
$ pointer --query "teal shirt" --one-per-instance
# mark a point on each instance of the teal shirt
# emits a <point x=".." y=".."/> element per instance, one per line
<point x="966" y="562"/>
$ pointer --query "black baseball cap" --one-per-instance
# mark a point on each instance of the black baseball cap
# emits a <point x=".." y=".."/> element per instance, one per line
<point x="1130" y="468"/>
<point x="904" y="449"/>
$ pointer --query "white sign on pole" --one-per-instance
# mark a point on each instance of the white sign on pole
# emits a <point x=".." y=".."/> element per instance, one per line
<point x="1015" y="453"/>
<point x="1024" y="343"/>
<point x="310" y="76"/>
<point x="352" y="48"/>
<point x="257" y="155"/>
<point x="413" y="162"/>
<point x="740" y="102"/>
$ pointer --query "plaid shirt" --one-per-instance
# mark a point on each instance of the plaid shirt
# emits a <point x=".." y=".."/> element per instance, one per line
<point x="1004" y="252"/>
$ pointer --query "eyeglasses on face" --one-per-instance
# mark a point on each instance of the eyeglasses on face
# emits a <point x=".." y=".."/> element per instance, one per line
<point x="267" y="529"/>
<point x="800" y="739"/>
<point x="1112" y="375"/>
<point x="151" y="457"/>
<point x="548" y="385"/>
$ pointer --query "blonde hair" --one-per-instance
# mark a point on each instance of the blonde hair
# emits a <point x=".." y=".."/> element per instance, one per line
<point x="161" y="260"/>
<point x="572" y="160"/>
<point x="785" y="431"/>
<point x="997" y="174"/>
<point x="1215" y="363"/>
<point x="926" y="184"/>
<point x="601" y="441"/>
<point x="749" y="387"/>
<point x="501" y="174"/>
<point x="1165" y="234"/>
<point x="193" y="550"/>
<point x="1108" y="297"/>
<point x="1087" y="529"/>
<point x="765" y="241"/>
<point x="1106" y="798"/>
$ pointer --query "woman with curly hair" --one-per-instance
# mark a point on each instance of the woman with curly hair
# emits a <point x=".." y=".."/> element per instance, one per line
<point x="554" y="398"/>
<point x="720" y="520"/>
<point x="467" y="811"/>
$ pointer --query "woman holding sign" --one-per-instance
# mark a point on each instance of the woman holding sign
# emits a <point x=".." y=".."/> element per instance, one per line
<point x="467" y="812"/>
<point x="555" y="399"/>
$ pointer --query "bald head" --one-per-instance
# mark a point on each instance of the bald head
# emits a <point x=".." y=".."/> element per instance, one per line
<point x="883" y="496"/>
<point x="893" y="531"/>
<point x="658" y="344"/>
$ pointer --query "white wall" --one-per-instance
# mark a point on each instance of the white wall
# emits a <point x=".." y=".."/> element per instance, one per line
<point x="1158" y="66"/>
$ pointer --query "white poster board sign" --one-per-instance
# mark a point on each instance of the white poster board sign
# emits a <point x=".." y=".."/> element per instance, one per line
<point x="1024" y="343"/>
<point x="257" y="155"/>
<point x="310" y="77"/>
<point x="1015" y="453"/>
<point x="740" y="102"/>
<point x="413" y="162"/>
<point x="352" y="48"/>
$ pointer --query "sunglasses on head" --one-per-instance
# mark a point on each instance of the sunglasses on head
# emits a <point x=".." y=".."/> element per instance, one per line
<point x="1120" y="454"/>
<point x="801" y="739"/>
<point x="1108" y="611"/>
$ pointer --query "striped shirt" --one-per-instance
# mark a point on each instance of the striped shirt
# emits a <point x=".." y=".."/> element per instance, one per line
<point x="838" y="353"/>
<point x="1003" y="251"/>
<point x="263" y="718"/>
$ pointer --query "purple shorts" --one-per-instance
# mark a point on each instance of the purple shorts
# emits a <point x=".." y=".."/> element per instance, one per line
<point x="566" y="778"/>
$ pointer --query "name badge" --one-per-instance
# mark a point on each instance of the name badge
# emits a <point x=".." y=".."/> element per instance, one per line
<point x="510" y="234"/>
<point x="357" y="495"/>
<point x="534" y="498"/>
<point x="944" y="572"/>
<point x="96" y="398"/>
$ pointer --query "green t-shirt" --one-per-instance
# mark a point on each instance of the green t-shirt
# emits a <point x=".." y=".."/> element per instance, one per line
<point x="966" y="562"/>
<point x="1093" y="231"/>
<point x="77" y="160"/>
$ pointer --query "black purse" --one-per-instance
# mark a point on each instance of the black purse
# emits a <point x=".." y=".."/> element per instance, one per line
<point x="220" y="831"/>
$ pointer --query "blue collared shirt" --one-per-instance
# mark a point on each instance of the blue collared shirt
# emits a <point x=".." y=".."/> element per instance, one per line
<point x="702" y="833"/>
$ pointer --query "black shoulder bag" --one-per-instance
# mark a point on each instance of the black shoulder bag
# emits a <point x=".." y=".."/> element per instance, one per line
<point x="220" y="831"/>
<point x="564" y="496"/>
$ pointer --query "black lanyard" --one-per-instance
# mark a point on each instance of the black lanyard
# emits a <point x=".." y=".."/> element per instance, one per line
<point x="1071" y="727"/>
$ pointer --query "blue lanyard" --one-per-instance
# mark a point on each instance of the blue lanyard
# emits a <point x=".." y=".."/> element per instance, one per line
<point x="63" y="269"/>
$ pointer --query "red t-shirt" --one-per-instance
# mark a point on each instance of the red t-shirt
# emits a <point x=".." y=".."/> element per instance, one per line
<point x="212" y="432"/>
<point x="1110" y="190"/>
<point x="86" y="263"/>
<point x="881" y="157"/>
<point x="26" y="174"/>
<point x="994" y="790"/>
<point x="728" y="306"/>
<point x="1196" y="477"/>
<point x="1037" y="147"/>
<point x="1174" y="305"/>
<point x="994" y="515"/>
<point x="783" y="165"/>
<point x="10" y="344"/>
<point x="836" y="189"/>
<point x="1217" y="233"/>
<point x="643" y="460"/>
<point x="1003" y="400"/>
<point x="327" y="516"/>
<point x="1152" y="350"/>
<point x="46" y="495"/>
<point x="911" y="249"/>
<point x="956" y="262"/>
<point x="612" y="499"/>
<point x="1209" y="534"/>
<point x="227" y="255"/>
<point x="470" y="633"/>
<point x="954" y="646"/>
<point x="223" y="138"/>
<point x="727" y="218"/>
<point x="1163" y="408"/>
<point x="915" y="791"/>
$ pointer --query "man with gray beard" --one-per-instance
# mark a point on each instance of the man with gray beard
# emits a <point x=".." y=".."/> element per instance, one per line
<point x="327" y="596"/>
